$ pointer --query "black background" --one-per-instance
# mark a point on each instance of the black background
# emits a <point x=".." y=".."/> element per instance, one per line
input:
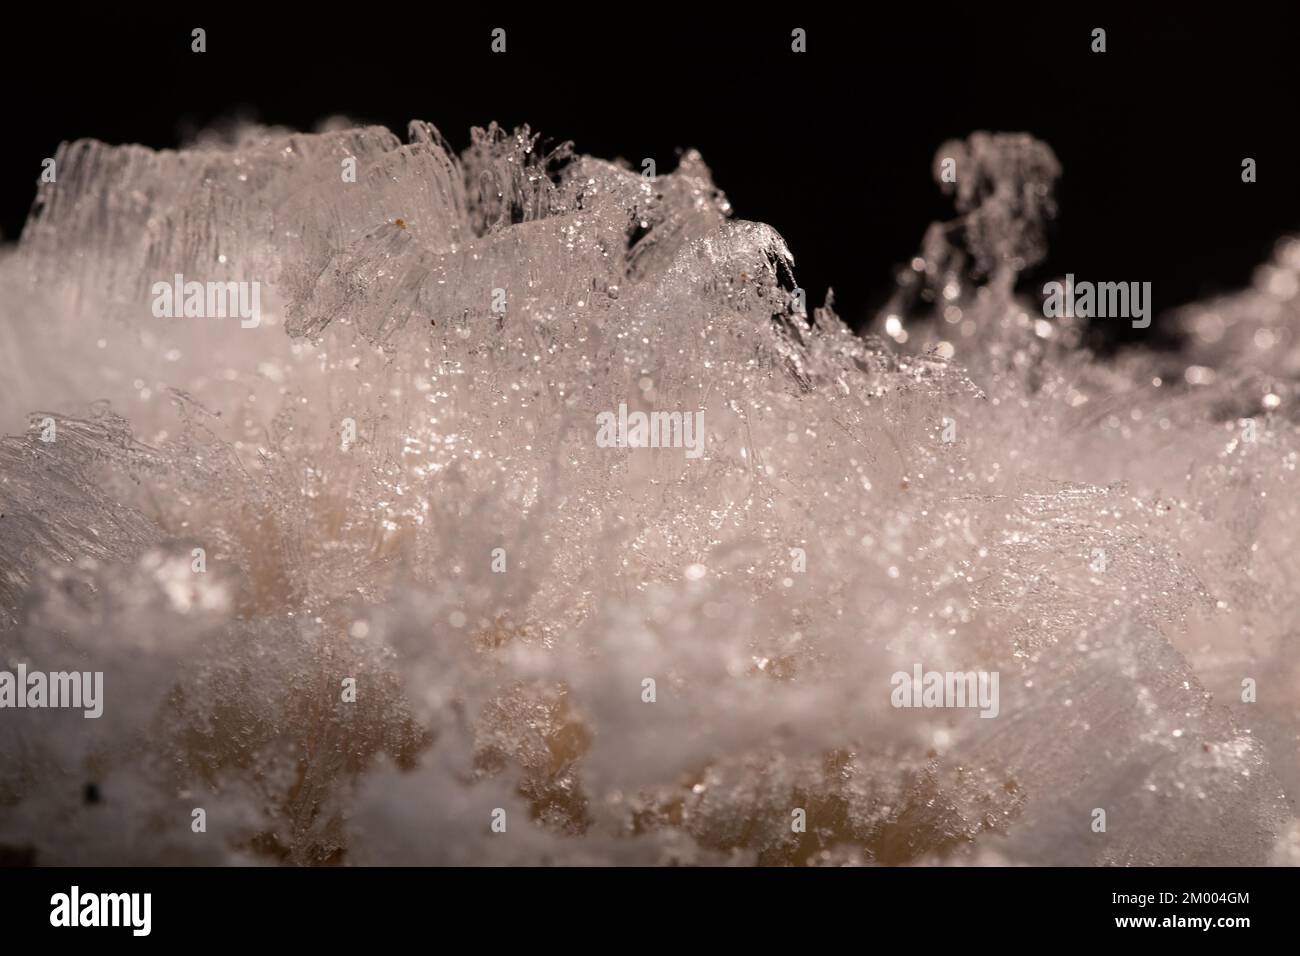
<point x="832" y="147"/>
<point x="337" y="909"/>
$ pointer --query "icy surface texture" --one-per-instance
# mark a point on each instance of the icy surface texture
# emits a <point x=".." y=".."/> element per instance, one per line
<point x="500" y="587"/>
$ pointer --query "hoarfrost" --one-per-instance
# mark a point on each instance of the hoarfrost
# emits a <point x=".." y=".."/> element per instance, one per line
<point x="395" y="485"/>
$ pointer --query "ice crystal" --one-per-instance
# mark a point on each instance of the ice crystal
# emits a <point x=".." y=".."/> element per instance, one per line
<point x="394" y="481"/>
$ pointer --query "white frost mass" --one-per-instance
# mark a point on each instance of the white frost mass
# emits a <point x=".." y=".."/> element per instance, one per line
<point x="361" y="576"/>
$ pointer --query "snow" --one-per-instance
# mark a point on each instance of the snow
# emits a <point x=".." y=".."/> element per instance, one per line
<point x="500" y="587"/>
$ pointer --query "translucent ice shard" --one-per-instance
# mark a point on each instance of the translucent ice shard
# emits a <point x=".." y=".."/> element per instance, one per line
<point x="60" y="489"/>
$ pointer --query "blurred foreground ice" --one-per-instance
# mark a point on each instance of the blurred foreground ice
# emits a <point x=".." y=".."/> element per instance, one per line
<point x="513" y="679"/>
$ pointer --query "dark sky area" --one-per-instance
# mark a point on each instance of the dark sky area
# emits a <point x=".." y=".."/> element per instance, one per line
<point x="832" y="147"/>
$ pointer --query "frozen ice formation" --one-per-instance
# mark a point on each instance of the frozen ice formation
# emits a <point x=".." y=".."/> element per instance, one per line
<point x="366" y="587"/>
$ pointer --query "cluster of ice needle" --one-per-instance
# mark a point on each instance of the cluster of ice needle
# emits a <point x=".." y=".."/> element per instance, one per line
<point x="435" y="621"/>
